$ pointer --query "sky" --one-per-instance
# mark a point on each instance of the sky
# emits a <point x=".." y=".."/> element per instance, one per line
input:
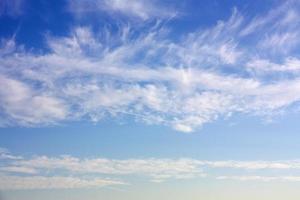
<point x="149" y="99"/>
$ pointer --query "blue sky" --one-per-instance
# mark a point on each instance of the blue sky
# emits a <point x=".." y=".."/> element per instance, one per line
<point x="131" y="99"/>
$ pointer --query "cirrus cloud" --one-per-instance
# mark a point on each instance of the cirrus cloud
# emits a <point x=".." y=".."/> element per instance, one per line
<point x="140" y="72"/>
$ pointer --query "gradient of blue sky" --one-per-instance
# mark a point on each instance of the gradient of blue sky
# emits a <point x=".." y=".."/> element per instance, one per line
<point x="140" y="99"/>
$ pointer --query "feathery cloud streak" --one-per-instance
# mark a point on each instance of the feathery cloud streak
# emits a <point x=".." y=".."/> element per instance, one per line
<point x="142" y="73"/>
<point x="140" y="9"/>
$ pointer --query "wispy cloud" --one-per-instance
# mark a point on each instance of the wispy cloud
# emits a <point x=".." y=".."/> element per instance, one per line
<point x="140" y="9"/>
<point x="140" y="72"/>
<point x="26" y="106"/>
<point x="54" y="182"/>
<point x="264" y="67"/>
<point x="260" y="178"/>
<point x="162" y="169"/>
<point x="278" y="30"/>
<point x="11" y="8"/>
<point x="43" y="172"/>
<point x="6" y="155"/>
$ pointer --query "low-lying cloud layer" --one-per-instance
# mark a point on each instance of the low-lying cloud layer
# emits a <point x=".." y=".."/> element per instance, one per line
<point x="43" y="172"/>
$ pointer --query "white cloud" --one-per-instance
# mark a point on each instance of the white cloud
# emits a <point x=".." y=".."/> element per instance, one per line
<point x="206" y="75"/>
<point x="141" y="9"/>
<point x="262" y="66"/>
<point x="260" y="178"/>
<point x="54" y="182"/>
<point x="275" y="33"/>
<point x="280" y="15"/>
<point x="74" y="172"/>
<point x="152" y="101"/>
<point x="211" y="47"/>
<point x="278" y="29"/>
<point x="18" y="169"/>
<point x="163" y="169"/>
<point x="21" y="103"/>
<point x="281" y="41"/>
<point x="6" y="155"/>
<point x="254" y="165"/>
